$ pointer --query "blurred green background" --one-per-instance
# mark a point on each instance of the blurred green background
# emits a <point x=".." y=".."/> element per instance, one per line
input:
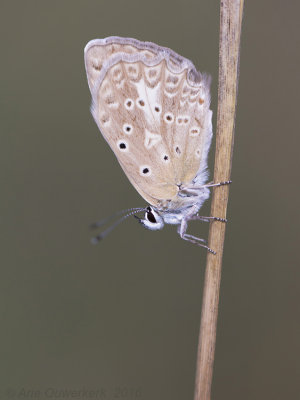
<point x="123" y="317"/>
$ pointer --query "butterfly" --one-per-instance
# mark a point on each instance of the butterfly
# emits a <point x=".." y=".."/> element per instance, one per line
<point x="153" y="108"/>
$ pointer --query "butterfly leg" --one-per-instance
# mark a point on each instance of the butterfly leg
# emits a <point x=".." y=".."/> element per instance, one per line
<point x="194" y="190"/>
<point x="212" y="184"/>
<point x="190" y="238"/>
<point x="206" y="219"/>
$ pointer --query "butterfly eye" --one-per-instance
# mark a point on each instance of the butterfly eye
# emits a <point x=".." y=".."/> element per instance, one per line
<point x="150" y="217"/>
<point x="152" y="220"/>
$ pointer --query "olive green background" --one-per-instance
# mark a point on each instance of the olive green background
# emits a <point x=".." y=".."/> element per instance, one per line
<point x="123" y="317"/>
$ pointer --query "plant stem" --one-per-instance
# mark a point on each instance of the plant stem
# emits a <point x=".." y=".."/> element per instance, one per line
<point x="231" y="12"/>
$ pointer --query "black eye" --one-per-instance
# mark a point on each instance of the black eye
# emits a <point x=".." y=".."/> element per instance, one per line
<point x="151" y="217"/>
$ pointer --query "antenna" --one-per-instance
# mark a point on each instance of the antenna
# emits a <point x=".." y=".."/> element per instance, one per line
<point x="103" y="221"/>
<point x="102" y="235"/>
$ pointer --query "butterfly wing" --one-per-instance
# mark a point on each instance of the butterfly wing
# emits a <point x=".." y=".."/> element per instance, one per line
<point x="152" y="107"/>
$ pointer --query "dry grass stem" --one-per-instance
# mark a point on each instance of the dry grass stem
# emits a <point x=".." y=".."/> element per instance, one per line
<point x="231" y="12"/>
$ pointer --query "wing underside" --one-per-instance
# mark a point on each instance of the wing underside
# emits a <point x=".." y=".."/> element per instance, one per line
<point x="152" y="107"/>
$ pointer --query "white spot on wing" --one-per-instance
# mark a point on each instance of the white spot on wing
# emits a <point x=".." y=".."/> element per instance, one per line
<point x="153" y="94"/>
<point x="168" y="94"/>
<point x="157" y="108"/>
<point x="132" y="71"/>
<point x="150" y="96"/>
<point x="145" y="170"/>
<point x="140" y="102"/>
<point x="169" y="118"/>
<point x="104" y="118"/>
<point x="194" y="131"/>
<point x="123" y="146"/>
<point x="198" y="153"/>
<point x="113" y="105"/>
<point x="179" y="120"/>
<point x="151" y="139"/>
<point x="127" y="129"/>
<point x="129" y="104"/>
<point x="177" y="150"/>
<point x="182" y="119"/>
<point x="120" y="84"/>
<point x="165" y="158"/>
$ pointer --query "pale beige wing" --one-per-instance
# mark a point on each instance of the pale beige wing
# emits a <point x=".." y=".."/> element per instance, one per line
<point x="152" y="107"/>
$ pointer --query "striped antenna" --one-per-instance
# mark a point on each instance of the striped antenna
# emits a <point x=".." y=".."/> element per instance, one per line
<point x="102" y="235"/>
<point x="103" y="221"/>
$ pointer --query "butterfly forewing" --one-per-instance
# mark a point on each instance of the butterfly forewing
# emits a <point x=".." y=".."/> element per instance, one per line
<point x="152" y="107"/>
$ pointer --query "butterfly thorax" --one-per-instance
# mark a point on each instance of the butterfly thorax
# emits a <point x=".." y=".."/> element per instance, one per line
<point x="187" y="203"/>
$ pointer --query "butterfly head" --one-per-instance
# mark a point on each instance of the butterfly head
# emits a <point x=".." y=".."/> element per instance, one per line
<point x="152" y="220"/>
